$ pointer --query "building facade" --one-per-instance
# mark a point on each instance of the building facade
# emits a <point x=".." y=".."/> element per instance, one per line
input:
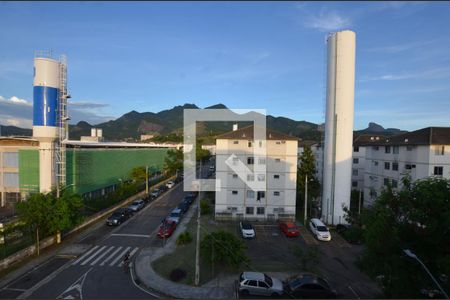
<point x="234" y="199"/>
<point x="419" y="154"/>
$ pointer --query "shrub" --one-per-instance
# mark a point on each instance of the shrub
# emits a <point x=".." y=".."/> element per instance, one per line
<point x="204" y="207"/>
<point x="184" y="238"/>
<point x="177" y="274"/>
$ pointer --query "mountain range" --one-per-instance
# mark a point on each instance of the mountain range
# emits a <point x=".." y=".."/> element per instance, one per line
<point x="131" y="125"/>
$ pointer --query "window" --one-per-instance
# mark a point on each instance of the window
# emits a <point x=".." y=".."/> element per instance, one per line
<point x="261" y="161"/>
<point x="250" y="194"/>
<point x="250" y="160"/>
<point x="261" y="195"/>
<point x="355" y="172"/>
<point x="387" y="165"/>
<point x="375" y="163"/>
<point x="11" y="179"/>
<point x="249" y="211"/>
<point x="260" y="144"/>
<point x="276" y="176"/>
<point x="278" y="142"/>
<point x="262" y="283"/>
<point x="277" y="160"/>
<point x="409" y="167"/>
<point x="252" y="282"/>
<point x="395" y="149"/>
<point x="356" y="149"/>
<point x="394" y="183"/>
<point x="236" y="142"/>
<point x="387" y="149"/>
<point x="439" y="150"/>
<point x="386" y="181"/>
<point x="375" y="148"/>
<point x="249" y="144"/>
<point x="235" y="176"/>
<point x="409" y="148"/>
<point x="261" y="177"/>
<point x="234" y="192"/>
<point x="260" y="210"/>
<point x="354" y="183"/>
<point x="356" y="160"/>
<point x="250" y="177"/>
<point x="438" y="171"/>
<point x="395" y="166"/>
<point x="11" y="159"/>
<point x="276" y="193"/>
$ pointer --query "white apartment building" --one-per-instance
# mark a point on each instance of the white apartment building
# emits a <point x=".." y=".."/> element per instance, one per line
<point x="234" y="199"/>
<point x="421" y="153"/>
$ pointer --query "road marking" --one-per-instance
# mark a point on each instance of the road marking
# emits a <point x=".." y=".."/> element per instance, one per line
<point x="131" y="235"/>
<point x="139" y="287"/>
<point x="131" y="255"/>
<point x="111" y="256"/>
<point x="75" y="291"/>
<point x="84" y="255"/>
<point x="92" y="256"/>
<point x="101" y="256"/>
<point x="120" y="256"/>
<point x="353" y="291"/>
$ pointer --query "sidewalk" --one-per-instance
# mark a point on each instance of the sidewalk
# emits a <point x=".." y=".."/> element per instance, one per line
<point x="219" y="288"/>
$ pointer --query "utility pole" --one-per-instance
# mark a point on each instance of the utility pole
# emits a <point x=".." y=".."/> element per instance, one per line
<point x="359" y="203"/>
<point x="306" y="199"/>
<point x="146" y="180"/>
<point x="197" y="247"/>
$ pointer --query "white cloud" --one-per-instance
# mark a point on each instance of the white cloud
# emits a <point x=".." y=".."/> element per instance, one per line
<point x="328" y="21"/>
<point x="427" y="74"/>
<point x="18" y="100"/>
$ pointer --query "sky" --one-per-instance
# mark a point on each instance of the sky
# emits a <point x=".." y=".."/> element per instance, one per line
<point x="151" y="56"/>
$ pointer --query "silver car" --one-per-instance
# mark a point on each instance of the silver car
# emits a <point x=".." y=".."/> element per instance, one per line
<point x="137" y="205"/>
<point x="255" y="283"/>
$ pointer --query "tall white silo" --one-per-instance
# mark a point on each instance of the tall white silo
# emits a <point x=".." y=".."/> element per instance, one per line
<point x="46" y="88"/>
<point x="336" y="188"/>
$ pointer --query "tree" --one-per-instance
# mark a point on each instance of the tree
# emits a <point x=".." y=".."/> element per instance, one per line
<point x="46" y="214"/>
<point x="173" y="160"/>
<point x="224" y="247"/>
<point x="139" y="174"/>
<point x="418" y="218"/>
<point x="200" y="154"/>
<point x="307" y="166"/>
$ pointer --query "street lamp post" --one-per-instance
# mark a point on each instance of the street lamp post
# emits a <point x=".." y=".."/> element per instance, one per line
<point x="410" y="254"/>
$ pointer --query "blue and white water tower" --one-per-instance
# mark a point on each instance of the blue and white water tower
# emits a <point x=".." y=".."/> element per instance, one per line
<point x="46" y="87"/>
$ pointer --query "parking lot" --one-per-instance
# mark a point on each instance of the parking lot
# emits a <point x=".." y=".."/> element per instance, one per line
<point x="272" y="252"/>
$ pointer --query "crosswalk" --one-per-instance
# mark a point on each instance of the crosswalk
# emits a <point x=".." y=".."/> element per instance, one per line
<point x="104" y="256"/>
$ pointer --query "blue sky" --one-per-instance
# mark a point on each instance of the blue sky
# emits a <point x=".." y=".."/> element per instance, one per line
<point x="151" y="56"/>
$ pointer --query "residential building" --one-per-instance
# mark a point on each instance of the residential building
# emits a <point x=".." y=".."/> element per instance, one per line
<point x="421" y="153"/>
<point x="234" y="199"/>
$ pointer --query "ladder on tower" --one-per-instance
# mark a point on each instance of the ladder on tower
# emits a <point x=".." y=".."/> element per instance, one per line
<point x="62" y="124"/>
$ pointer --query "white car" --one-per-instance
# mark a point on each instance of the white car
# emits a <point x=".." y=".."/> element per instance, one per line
<point x="247" y="230"/>
<point x="255" y="283"/>
<point x="319" y="230"/>
<point x="170" y="184"/>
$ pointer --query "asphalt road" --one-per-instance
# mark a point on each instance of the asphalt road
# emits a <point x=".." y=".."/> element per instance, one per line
<point x="97" y="271"/>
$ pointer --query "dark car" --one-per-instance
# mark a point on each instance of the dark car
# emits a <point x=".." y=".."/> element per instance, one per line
<point x="189" y="199"/>
<point x="184" y="206"/>
<point x="119" y="216"/>
<point x="163" y="188"/>
<point x="147" y="198"/>
<point x="308" y="285"/>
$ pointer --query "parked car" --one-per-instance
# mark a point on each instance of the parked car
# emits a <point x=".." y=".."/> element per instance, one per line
<point x="289" y="228"/>
<point x="137" y="205"/>
<point x="147" y="198"/>
<point x="319" y="230"/>
<point x="155" y="193"/>
<point x="247" y="230"/>
<point x="170" y="184"/>
<point x="189" y="198"/>
<point x="166" y="229"/>
<point x="211" y="168"/>
<point x="119" y="216"/>
<point x="184" y="206"/>
<point x="255" y="283"/>
<point x="175" y="215"/>
<point x="163" y="188"/>
<point x="308" y="285"/>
